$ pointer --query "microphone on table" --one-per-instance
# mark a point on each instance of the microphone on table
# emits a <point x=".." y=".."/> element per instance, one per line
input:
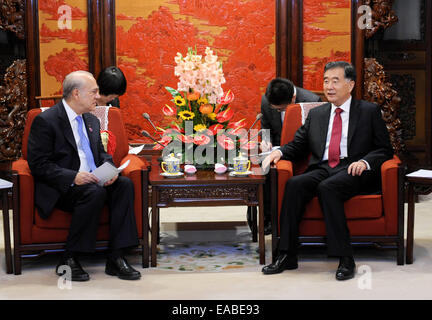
<point x="259" y="132"/>
<point x="259" y="116"/>
<point x="146" y="134"/>
<point x="147" y="117"/>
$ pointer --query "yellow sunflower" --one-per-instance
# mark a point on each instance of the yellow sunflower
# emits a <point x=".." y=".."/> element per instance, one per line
<point x="200" y="127"/>
<point x="212" y="116"/>
<point x="202" y="100"/>
<point x="180" y="101"/>
<point x="186" y="115"/>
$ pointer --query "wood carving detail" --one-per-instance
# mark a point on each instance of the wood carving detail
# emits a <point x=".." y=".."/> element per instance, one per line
<point x="382" y="16"/>
<point x="13" y="110"/>
<point x="405" y="85"/>
<point x="168" y="195"/>
<point x="12" y="16"/>
<point x="379" y="90"/>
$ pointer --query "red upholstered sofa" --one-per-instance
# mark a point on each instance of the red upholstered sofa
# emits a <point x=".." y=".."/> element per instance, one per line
<point x="34" y="236"/>
<point x="376" y="219"/>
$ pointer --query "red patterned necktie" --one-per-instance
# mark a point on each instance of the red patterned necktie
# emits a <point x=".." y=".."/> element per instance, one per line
<point x="334" y="146"/>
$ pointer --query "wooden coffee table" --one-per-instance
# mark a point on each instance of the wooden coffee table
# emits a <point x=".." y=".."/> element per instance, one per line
<point x="205" y="188"/>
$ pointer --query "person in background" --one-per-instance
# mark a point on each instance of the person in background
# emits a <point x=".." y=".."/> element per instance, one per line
<point x="112" y="84"/>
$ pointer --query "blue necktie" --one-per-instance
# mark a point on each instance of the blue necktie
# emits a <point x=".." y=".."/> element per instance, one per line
<point x="85" y="144"/>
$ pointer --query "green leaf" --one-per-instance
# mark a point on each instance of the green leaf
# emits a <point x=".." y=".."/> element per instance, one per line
<point x="173" y="92"/>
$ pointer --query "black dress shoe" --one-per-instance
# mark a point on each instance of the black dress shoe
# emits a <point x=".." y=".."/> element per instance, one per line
<point x="346" y="269"/>
<point x="77" y="272"/>
<point x="121" y="268"/>
<point x="283" y="262"/>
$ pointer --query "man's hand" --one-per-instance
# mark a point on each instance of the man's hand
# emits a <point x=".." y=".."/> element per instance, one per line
<point x="272" y="157"/>
<point x="266" y="146"/>
<point x="357" y="168"/>
<point x="110" y="182"/>
<point x="84" y="177"/>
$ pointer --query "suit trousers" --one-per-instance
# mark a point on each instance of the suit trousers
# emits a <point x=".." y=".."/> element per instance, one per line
<point x="333" y="186"/>
<point x="85" y="202"/>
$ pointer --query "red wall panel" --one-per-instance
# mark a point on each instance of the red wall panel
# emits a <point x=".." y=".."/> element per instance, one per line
<point x="150" y="33"/>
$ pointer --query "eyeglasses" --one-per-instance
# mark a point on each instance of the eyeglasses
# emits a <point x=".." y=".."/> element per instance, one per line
<point x="279" y="108"/>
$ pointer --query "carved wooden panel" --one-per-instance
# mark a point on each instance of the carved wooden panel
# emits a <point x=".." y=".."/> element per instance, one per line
<point x="12" y="16"/>
<point x="405" y="85"/>
<point x="382" y="16"/>
<point x="379" y="90"/>
<point x="13" y="109"/>
<point x="170" y="195"/>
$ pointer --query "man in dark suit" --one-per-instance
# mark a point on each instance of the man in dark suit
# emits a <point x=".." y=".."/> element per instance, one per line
<point x="348" y="141"/>
<point x="64" y="146"/>
<point x="279" y="94"/>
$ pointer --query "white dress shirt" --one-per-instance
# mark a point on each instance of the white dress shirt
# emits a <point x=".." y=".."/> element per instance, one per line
<point x="74" y="124"/>
<point x="283" y="112"/>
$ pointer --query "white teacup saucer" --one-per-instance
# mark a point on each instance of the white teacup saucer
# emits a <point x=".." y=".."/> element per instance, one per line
<point x="240" y="174"/>
<point x="172" y="175"/>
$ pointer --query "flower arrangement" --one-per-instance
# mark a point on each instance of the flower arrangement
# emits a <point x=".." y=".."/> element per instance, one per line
<point x="201" y="112"/>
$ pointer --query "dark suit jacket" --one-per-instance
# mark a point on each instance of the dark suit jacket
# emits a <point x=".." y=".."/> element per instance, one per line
<point x="53" y="155"/>
<point x="368" y="138"/>
<point x="271" y="118"/>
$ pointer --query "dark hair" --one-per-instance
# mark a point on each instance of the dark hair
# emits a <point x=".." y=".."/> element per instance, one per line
<point x="280" y="91"/>
<point x="350" y="72"/>
<point x="111" y="80"/>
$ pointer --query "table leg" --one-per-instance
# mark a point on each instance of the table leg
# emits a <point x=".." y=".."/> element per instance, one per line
<point x="6" y="231"/>
<point x="254" y="223"/>
<point x="154" y="227"/>
<point x="145" y="231"/>
<point x="261" y="238"/>
<point x="410" y="224"/>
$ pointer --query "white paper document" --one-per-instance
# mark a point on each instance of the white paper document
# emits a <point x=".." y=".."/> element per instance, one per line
<point x="136" y="150"/>
<point x="5" y="184"/>
<point x="422" y="173"/>
<point x="107" y="171"/>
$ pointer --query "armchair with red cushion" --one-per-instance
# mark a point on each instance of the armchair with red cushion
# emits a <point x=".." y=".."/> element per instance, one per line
<point x="34" y="236"/>
<point x="373" y="219"/>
